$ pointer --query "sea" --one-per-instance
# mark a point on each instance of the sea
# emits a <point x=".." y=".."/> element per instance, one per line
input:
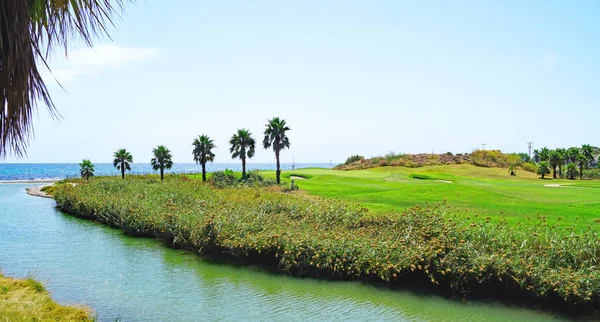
<point x="51" y="171"/>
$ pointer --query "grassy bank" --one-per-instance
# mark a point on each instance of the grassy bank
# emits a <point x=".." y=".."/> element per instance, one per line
<point x="28" y="300"/>
<point x="306" y="236"/>
<point x="468" y="190"/>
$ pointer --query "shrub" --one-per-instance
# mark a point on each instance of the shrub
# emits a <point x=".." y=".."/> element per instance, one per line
<point x="253" y="178"/>
<point x="353" y="159"/>
<point x="529" y="167"/>
<point x="223" y="179"/>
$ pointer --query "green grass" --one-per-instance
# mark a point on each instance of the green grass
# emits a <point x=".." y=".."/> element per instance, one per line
<point x="28" y="300"/>
<point x="485" y="192"/>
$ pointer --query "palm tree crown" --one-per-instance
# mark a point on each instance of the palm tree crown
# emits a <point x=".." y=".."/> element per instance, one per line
<point x="276" y="138"/>
<point x="30" y="30"/>
<point x="86" y="169"/>
<point x="162" y="160"/>
<point x="242" y="147"/>
<point x="122" y="161"/>
<point x="202" y="152"/>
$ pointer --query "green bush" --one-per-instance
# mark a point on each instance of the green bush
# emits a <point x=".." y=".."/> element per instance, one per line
<point x="354" y="158"/>
<point x="223" y="179"/>
<point x="308" y="236"/>
<point x="529" y="167"/>
<point x="253" y="178"/>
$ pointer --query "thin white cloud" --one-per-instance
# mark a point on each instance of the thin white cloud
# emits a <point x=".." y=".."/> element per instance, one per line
<point x="550" y="60"/>
<point x="93" y="61"/>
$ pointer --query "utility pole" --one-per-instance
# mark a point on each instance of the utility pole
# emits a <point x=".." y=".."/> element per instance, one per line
<point x="483" y="146"/>
<point x="529" y="147"/>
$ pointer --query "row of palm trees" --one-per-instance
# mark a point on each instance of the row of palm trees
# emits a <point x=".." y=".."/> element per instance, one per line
<point x="555" y="160"/>
<point x="242" y="146"/>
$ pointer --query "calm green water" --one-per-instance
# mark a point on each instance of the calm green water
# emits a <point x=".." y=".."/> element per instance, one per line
<point x="138" y="279"/>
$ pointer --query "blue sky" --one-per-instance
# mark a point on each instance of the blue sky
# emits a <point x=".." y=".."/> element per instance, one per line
<point x="350" y="77"/>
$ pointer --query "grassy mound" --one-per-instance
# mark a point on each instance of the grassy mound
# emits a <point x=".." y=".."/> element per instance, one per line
<point x="307" y="236"/>
<point x="28" y="300"/>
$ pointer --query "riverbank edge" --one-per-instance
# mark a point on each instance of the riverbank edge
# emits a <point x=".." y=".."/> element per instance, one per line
<point x="28" y="299"/>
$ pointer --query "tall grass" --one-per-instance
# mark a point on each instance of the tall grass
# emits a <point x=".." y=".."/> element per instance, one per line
<point x="307" y="236"/>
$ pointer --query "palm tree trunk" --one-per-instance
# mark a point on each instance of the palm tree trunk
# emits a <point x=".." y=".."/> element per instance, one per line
<point x="278" y="168"/>
<point x="162" y="173"/>
<point x="560" y="171"/>
<point x="581" y="172"/>
<point x="122" y="169"/>
<point x="554" y="172"/>
<point x="203" y="171"/>
<point x="243" y="167"/>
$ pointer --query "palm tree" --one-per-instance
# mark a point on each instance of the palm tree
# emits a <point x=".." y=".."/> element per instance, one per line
<point x="544" y="154"/>
<point x="582" y="163"/>
<point x="571" y="171"/>
<point x="86" y="169"/>
<point x="30" y="30"/>
<point x="162" y="160"/>
<point x="572" y="154"/>
<point x="554" y="158"/>
<point x="536" y="155"/>
<point x="543" y="169"/>
<point x="276" y="138"/>
<point x="122" y="161"/>
<point x="202" y="152"/>
<point x="588" y="152"/>
<point x="562" y="155"/>
<point x="242" y="146"/>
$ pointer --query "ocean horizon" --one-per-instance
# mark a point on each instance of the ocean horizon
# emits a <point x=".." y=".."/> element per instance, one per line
<point x="54" y="171"/>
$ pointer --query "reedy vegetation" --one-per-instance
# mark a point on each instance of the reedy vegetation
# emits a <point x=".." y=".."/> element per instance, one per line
<point x="308" y="236"/>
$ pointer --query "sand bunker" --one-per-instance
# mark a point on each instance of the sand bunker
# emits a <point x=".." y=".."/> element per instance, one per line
<point x="296" y="178"/>
<point x="445" y="181"/>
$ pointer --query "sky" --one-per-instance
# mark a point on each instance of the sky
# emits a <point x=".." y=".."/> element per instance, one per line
<point x="349" y="77"/>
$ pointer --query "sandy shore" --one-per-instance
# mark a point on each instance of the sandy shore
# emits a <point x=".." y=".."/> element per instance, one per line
<point x="37" y="191"/>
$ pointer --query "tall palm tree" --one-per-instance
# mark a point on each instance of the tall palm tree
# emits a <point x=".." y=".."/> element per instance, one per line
<point x="30" y="29"/>
<point x="86" y="169"/>
<point x="536" y="155"/>
<point x="242" y="146"/>
<point x="162" y="160"/>
<point x="276" y="139"/>
<point x="582" y="162"/>
<point x="202" y="152"/>
<point x="562" y="155"/>
<point x="588" y="152"/>
<point x="122" y="161"/>
<point x="554" y="159"/>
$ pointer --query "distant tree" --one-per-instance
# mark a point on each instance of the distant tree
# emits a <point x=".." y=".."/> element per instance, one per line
<point x="276" y="139"/>
<point x="582" y="163"/>
<point x="162" y="160"/>
<point x="524" y="157"/>
<point x="242" y="147"/>
<point x="572" y="154"/>
<point x="554" y="160"/>
<point x="543" y="169"/>
<point x="86" y="169"/>
<point x="571" y="171"/>
<point x="122" y="161"/>
<point x="544" y="154"/>
<point x="562" y="156"/>
<point x="588" y="152"/>
<point x="202" y="152"/>
<point x="536" y="155"/>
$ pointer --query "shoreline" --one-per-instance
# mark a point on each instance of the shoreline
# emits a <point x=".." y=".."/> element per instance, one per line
<point x="29" y="181"/>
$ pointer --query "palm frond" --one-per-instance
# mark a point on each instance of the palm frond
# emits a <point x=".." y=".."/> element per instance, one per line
<point x="29" y="29"/>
